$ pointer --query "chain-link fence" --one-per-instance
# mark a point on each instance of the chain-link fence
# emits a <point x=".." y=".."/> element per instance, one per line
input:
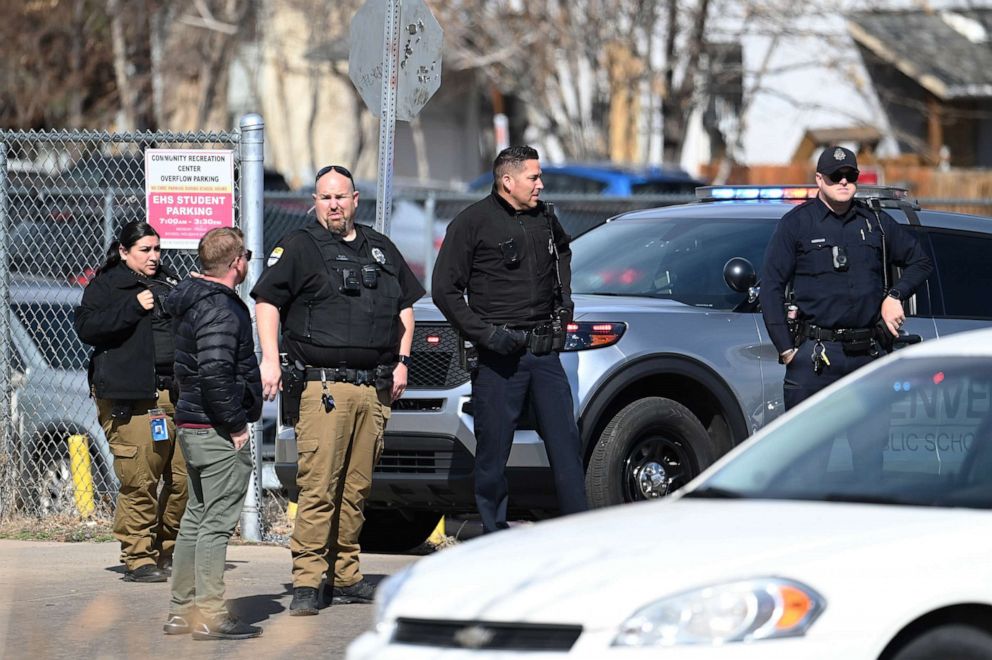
<point x="64" y="196"/>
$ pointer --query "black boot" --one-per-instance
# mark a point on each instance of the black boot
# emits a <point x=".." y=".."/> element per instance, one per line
<point x="304" y="602"/>
<point x="146" y="573"/>
<point x="224" y="626"/>
<point x="360" y="592"/>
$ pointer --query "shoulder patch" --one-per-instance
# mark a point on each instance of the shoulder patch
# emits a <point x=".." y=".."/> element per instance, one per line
<point x="378" y="256"/>
<point x="274" y="257"/>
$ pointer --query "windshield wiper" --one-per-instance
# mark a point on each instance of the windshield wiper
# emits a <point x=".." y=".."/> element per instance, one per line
<point x="863" y="498"/>
<point x="715" y="493"/>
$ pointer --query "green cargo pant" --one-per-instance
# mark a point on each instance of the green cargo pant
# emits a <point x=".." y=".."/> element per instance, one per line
<point x="218" y="481"/>
<point x="338" y="451"/>
<point x="145" y="521"/>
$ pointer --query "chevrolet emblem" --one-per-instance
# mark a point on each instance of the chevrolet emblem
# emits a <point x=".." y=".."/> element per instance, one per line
<point x="474" y="637"/>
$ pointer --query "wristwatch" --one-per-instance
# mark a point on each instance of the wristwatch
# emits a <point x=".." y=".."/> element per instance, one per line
<point x="405" y="360"/>
<point x="894" y="293"/>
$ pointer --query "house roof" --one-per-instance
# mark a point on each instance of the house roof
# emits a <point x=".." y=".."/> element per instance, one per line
<point x="949" y="53"/>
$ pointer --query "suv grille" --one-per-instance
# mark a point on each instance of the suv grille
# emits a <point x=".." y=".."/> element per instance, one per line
<point x="478" y="635"/>
<point x="435" y="364"/>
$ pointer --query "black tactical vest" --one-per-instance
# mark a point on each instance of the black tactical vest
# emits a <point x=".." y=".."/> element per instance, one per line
<point x="343" y="315"/>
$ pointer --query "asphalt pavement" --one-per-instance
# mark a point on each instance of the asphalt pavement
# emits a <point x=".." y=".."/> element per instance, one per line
<point x="67" y="600"/>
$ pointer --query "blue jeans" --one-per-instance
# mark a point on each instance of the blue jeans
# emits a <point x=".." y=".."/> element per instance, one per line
<point x="499" y="392"/>
<point x="218" y="481"/>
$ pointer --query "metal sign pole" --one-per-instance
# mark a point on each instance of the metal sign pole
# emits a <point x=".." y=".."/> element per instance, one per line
<point x="387" y="121"/>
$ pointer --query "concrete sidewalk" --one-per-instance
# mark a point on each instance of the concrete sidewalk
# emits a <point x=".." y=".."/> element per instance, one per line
<point x="67" y="600"/>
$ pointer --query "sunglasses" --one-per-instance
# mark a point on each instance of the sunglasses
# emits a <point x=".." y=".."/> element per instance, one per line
<point x="850" y="175"/>
<point x="246" y="254"/>
<point x="343" y="171"/>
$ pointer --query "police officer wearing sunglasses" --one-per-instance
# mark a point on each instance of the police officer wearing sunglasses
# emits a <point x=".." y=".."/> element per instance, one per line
<point x="510" y="255"/>
<point x="836" y="253"/>
<point x="343" y="297"/>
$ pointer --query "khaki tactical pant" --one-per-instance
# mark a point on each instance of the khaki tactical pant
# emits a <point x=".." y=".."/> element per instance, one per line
<point x="145" y="521"/>
<point x="338" y="451"/>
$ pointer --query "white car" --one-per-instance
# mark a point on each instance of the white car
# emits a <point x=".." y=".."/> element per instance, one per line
<point x="856" y="526"/>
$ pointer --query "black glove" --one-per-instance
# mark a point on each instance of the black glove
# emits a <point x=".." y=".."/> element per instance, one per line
<point x="504" y="341"/>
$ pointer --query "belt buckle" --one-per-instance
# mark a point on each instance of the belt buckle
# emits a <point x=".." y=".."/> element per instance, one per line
<point x="840" y="335"/>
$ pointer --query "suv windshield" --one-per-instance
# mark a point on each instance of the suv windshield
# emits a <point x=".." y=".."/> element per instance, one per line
<point x="918" y="432"/>
<point x="677" y="258"/>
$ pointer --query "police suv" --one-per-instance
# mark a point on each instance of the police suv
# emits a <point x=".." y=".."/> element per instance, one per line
<point x="668" y="357"/>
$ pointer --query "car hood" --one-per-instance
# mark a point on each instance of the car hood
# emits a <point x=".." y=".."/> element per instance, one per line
<point x="585" y="305"/>
<point x="598" y="568"/>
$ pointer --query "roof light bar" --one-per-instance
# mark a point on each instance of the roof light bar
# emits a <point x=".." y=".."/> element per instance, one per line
<point x="789" y="193"/>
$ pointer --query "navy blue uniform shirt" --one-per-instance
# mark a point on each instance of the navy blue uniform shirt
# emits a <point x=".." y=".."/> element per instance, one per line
<point x="801" y="250"/>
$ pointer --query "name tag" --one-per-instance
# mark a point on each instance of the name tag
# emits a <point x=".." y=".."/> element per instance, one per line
<point x="156" y="418"/>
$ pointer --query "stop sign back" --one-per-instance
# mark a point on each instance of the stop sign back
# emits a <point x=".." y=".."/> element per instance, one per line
<point x="418" y="69"/>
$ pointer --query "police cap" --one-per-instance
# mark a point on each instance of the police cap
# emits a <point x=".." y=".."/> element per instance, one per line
<point x="835" y="158"/>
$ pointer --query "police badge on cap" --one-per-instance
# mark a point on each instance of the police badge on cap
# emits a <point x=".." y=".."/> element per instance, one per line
<point x="379" y="257"/>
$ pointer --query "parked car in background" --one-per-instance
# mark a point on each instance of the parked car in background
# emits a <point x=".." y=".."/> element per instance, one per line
<point x="790" y="547"/>
<point x="668" y="358"/>
<point x="606" y="179"/>
<point x="51" y="396"/>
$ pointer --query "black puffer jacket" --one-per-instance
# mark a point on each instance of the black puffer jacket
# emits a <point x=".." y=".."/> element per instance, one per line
<point x="219" y="381"/>
<point x="120" y="330"/>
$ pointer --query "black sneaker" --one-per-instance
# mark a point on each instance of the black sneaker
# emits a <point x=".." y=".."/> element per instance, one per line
<point x="360" y="592"/>
<point x="304" y="602"/>
<point x="224" y="627"/>
<point x="166" y="565"/>
<point x="146" y="573"/>
<point x="176" y="624"/>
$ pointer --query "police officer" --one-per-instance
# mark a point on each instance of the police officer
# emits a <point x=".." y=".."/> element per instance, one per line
<point x="836" y="252"/>
<point x="511" y="255"/>
<point x="131" y="376"/>
<point x="344" y="297"/>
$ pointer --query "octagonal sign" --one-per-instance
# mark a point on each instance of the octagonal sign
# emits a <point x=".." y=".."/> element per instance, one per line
<point x="418" y="70"/>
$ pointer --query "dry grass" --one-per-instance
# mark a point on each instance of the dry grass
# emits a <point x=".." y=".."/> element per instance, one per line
<point x="62" y="528"/>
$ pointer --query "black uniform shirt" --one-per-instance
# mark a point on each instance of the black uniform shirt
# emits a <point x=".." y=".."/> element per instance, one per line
<point x="471" y="259"/>
<point x="802" y="250"/>
<point x="295" y="272"/>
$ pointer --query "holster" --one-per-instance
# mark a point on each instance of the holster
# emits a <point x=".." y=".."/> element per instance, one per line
<point x="121" y="411"/>
<point x="886" y="341"/>
<point x="294" y="380"/>
<point x="559" y="328"/>
<point x="468" y="355"/>
<point x="540" y="340"/>
<point x="384" y="378"/>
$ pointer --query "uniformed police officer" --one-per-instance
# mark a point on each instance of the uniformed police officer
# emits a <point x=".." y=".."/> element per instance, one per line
<point x="511" y="255"/>
<point x="836" y="252"/>
<point x="344" y="296"/>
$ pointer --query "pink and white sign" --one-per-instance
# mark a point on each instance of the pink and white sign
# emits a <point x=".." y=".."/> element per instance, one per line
<point x="188" y="192"/>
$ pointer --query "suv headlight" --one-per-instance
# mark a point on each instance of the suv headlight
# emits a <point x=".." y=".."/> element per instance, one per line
<point x="762" y="608"/>
<point x="583" y="335"/>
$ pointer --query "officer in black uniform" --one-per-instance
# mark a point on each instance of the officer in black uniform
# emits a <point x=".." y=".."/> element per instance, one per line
<point x="344" y="296"/>
<point x="511" y="255"/>
<point x="836" y="252"/>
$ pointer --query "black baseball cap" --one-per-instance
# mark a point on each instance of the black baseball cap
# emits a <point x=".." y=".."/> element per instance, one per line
<point x="836" y="158"/>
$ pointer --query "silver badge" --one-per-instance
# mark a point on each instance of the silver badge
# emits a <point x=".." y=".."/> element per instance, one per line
<point x="379" y="257"/>
<point x="551" y="246"/>
<point x="839" y="154"/>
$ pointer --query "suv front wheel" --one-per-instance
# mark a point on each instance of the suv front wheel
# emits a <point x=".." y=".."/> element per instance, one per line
<point x="650" y="449"/>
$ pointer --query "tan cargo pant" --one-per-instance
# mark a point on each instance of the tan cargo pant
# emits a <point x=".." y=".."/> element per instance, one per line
<point x="145" y="521"/>
<point x="338" y="451"/>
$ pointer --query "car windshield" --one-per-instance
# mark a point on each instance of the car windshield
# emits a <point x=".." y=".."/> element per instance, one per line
<point x="50" y="327"/>
<point x="915" y="432"/>
<point x="677" y="258"/>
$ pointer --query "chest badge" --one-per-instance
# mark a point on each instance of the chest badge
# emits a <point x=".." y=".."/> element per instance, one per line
<point x="379" y="257"/>
<point x="551" y="246"/>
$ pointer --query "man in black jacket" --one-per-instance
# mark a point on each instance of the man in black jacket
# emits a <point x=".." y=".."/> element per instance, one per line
<point x="511" y="256"/>
<point x="220" y="395"/>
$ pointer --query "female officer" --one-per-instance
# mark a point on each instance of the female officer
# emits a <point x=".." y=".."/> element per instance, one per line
<point x="130" y="376"/>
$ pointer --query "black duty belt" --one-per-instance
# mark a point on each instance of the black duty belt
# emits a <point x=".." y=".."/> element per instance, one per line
<point x="837" y="334"/>
<point x="344" y="375"/>
<point x="163" y="383"/>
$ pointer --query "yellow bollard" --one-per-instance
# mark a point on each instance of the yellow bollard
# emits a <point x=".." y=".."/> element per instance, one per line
<point x="438" y="536"/>
<point x="82" y="478"/>
<point x="291" y="510"/>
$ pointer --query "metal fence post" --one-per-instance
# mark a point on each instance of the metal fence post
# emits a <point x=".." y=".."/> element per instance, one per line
<point x="252" y="178"/>
<point x="7" y="463"/>
<point x="430" y="213"/>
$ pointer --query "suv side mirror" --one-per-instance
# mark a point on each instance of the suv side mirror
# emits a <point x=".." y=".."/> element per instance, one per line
<point x="739" y="274"/>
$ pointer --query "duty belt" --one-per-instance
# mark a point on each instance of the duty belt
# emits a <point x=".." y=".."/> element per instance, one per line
<point x="344" y="375"/>
<point x="844" y="335"/>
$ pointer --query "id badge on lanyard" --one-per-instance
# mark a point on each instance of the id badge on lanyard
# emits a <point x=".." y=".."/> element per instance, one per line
<point x="156" y="418"/>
